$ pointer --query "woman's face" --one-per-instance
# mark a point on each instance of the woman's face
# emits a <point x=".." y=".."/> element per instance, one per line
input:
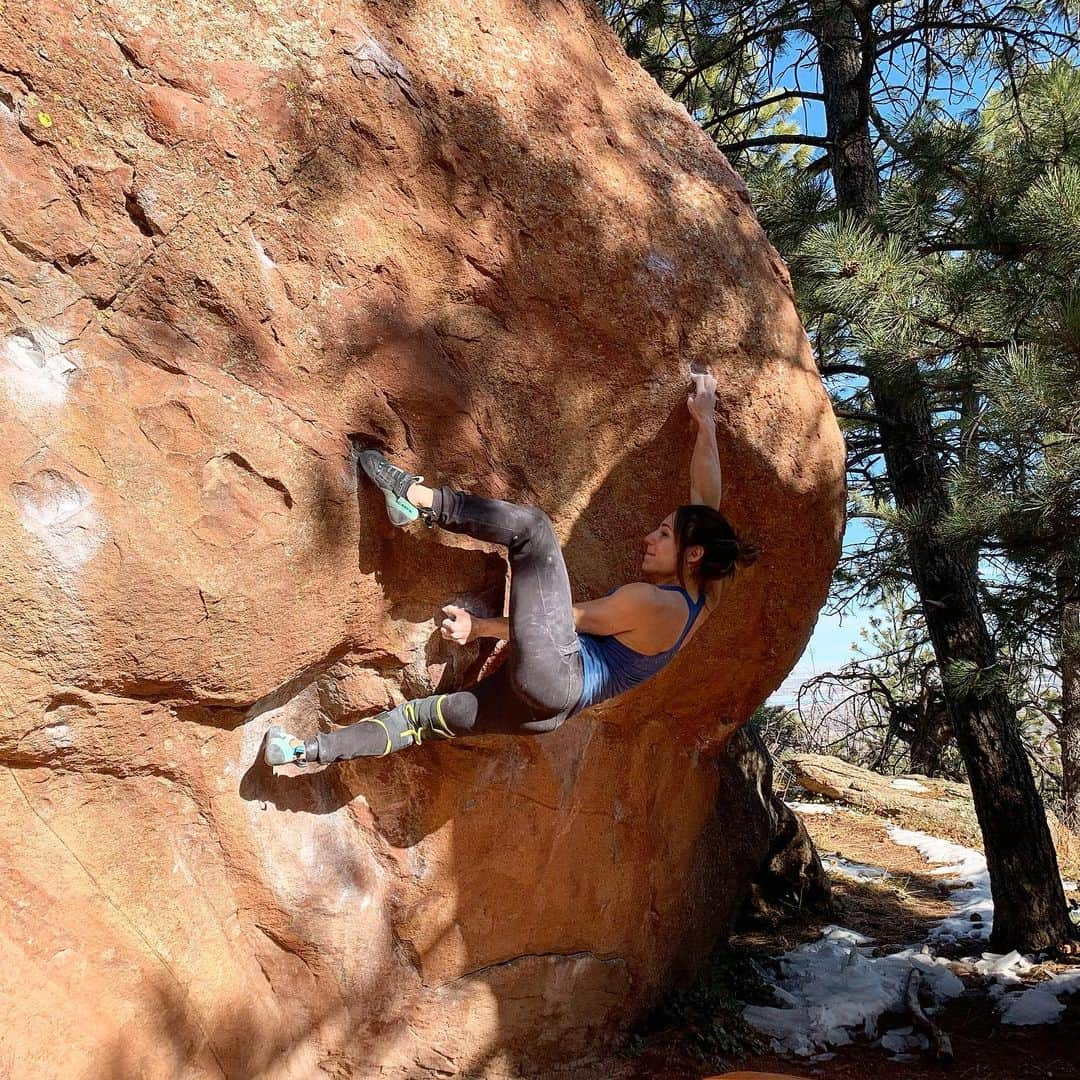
<point x="661" y="557"/>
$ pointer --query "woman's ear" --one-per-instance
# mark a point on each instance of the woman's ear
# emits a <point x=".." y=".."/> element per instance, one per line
<point x="694" y="554"/>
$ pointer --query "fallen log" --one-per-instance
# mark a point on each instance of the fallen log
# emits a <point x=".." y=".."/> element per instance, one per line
<point x="928" y="800"/>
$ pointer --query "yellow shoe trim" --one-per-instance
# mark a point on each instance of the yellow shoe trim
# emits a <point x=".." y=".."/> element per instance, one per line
<point x="386" y="732"/>
<point x="441" y="720"/>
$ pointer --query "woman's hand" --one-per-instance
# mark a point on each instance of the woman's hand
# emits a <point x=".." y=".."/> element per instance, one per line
<point x="702" y="402"/>
<point x="457" y="626"/>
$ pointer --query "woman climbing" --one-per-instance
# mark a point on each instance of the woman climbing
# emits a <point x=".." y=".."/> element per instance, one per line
<point x="564" y="656"/>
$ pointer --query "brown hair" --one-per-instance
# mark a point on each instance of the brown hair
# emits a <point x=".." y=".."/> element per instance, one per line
<point x="697" y="524"/>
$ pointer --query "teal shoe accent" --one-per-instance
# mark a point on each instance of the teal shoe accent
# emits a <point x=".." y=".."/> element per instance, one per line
<point x="281" y="748"/>
<point x="394" y="483"/>
<point x="400" y="511"/>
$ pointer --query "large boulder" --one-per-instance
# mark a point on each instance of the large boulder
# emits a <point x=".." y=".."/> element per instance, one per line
<point x="231" y="237"/>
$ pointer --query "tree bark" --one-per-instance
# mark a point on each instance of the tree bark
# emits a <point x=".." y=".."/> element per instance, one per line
<point x="1030" y="912"/>
<point x="924" y="726"/>
<point x="1069" y="722"/>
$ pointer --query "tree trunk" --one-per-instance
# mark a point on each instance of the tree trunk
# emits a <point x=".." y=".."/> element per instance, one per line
<point x="925" y="727"/>
<point x="1069" y="723"/>
<point x="925" y="752"/>
<point x="1029" y="904"/>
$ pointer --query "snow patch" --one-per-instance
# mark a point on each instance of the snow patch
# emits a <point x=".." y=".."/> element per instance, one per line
<point x="1042" y="1003"/>
<point x="908" y="785"/>
<point x="904" y="1041"/>
<point x="964" y="867"/>
<point x="1037" y="1004"/>
<point x="833" y="989"/>
<point x="34" y="370"/>
<point x="810" y="808"/>
<point x="836" y="864"/>
<point x="1008" y="967"/>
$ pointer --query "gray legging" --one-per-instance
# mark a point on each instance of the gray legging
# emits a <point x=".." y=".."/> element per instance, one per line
<point x="541" y="681"/>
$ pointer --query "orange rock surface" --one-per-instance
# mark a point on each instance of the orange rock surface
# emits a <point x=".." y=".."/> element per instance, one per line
<point x="230" y="238"/>
<point x="755" y="1076"/>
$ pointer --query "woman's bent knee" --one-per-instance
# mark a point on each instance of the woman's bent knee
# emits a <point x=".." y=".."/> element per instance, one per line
<point x="542" y="694"/>
<point x="546" y="725"/>
<point x="533" y="522"/>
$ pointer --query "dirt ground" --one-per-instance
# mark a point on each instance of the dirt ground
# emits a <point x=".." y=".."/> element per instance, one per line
<point x="896" y="911"/>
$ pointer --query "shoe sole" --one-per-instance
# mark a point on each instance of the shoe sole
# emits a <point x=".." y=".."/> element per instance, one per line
<point x="273" y="752"/>
<point x="400" y="512"/>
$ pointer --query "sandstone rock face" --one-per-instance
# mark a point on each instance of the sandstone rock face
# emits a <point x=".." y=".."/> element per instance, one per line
<point x="232" y="236"/>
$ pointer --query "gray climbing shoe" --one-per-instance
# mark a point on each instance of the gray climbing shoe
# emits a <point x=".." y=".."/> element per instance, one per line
<point x="281" y="748"/>
<point x="394" y="483"/>
<point x="411" y="722"/>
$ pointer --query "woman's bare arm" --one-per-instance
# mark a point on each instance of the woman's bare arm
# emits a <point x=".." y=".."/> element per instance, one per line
<point x="462" y="626"/>
<point x="705" y="481"/>
<point x="496" y="628"/>
<point x="624" y="610"/>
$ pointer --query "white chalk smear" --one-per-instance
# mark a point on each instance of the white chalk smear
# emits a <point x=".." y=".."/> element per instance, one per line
<point x="312" y="859"/>
<point x="660" y="265"/>
<point x="60" y="736"/>
<point x="58" y="512"/>
<point x="260" y="252"/>
<point x="34" y="370"/>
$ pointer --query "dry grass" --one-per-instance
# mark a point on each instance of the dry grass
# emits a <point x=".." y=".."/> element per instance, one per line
<point x="1068" y="849"/>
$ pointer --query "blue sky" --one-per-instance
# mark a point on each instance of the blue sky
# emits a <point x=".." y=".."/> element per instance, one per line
<point x="830" y="645"/>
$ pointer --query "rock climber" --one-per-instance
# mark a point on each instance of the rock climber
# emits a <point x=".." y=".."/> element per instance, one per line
<point x="563" y="656"/>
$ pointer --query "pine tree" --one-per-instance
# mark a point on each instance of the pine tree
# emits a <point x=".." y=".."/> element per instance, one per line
<point x="1018" y="492"/>
<point x="889" y="287"/>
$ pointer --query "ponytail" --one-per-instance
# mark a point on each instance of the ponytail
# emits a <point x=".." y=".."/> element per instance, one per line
<point x="724" y="550"/>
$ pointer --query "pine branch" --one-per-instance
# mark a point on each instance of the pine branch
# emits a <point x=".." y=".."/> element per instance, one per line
<point x="716" y="121"/>
<point x="726" y="56"/>
<point x="843" y="369"/>
<point x="863" y="417"/>
<point x="775" y="140"/>
<point x="900" y="37"/>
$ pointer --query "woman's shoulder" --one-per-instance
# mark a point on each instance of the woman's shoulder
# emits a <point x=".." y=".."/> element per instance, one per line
<point x="640" y="592"/>
<point x="645" y="595"/>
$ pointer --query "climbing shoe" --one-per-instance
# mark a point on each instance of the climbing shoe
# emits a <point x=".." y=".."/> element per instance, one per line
<point x="281" y="748"/>
<point x="394" y="484"/>
<point x="413" y="722"/>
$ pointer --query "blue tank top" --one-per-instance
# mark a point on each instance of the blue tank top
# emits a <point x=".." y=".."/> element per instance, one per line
<point x="612" y="668"/>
